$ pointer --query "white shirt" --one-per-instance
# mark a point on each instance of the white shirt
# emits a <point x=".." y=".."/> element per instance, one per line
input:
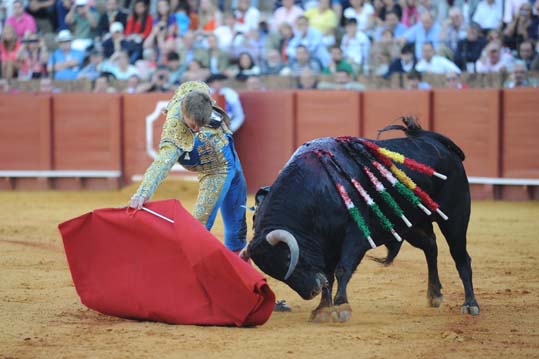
<point x="251" y="18"/>
<point x="437" y="65"/>
<point x="282" y="15"/>
<point x="362" y="18"/>
<point x="511" y="9"/>
<point x="356" y="48"/>
<point x="487" y="66"/>
<point x="488" y="16"/>
<point x="233" y="108"/>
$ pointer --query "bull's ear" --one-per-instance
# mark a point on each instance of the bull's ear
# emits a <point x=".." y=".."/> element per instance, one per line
<point x="261" y="194"/>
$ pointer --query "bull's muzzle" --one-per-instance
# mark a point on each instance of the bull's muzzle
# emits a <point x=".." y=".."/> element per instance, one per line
<point x="280" y="235"/>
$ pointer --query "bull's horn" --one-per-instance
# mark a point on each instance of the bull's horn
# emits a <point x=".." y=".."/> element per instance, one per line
<point x="280" y="235"/>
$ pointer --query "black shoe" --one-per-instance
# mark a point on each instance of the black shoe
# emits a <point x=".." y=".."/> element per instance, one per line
<point x="281" y="306"/>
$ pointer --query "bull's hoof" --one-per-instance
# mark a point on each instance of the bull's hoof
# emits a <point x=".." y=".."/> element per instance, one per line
<point x="321" y="315"/>
<point x="470" y="309"/>
<point x="342" y="313"/>
<point x="435" y="302"/>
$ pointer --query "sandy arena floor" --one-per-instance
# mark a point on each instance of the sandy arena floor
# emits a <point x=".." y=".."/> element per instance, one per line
<point x="42" y="316"/>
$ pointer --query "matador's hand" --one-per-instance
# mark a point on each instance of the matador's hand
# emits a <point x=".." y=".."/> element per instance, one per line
<point x="137" y="201"/>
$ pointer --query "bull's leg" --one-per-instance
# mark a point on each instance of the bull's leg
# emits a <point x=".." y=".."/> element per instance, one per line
<point x="352" y="253"/>
<point x="423" y="238"/>
<point x="322" y="313"/>
<point x="454" y="231"/>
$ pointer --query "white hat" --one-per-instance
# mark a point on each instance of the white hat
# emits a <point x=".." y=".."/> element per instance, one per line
<point x="116" y="27"/>
<point x="81" y="2"/>
<point x="64" y="35"/>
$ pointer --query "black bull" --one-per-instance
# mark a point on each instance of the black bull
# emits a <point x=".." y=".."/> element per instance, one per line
<point x="305" y="237"/>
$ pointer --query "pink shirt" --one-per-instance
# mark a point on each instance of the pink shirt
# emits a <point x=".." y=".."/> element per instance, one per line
<point x="25" y="23"/>
<point x="282" y="14"/>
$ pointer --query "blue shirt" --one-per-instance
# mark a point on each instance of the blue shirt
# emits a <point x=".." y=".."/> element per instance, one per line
<point x="419" y="36"/>
<point x="58" y="56"/>
<point x="398" y="31"/>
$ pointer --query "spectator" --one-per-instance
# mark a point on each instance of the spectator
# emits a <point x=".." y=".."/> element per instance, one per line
<point x="255" y="83"/>
<point x="468" y="8"/>
<point x="452" y="80"/>
<point x="246" y="67"/>
<point x="147" y="65"/>
<point x="288" y="13"/>
<point x="9" y="48"/>
<point x="195" y="72"/>
<point x="233" y="106"/>
<point x="453" y="30"/>
<point x="133" y="83"/>
<point x="43" y="11"/>
<point x="414" y="81"/>
<point x="22" y="22"/>
<point x="391" y="23"/>
<point x="302" y="61"/>
<point x="391" y="6"/>
<point x="182" y="18"/>
<point x="187" y="48"/>
<point x="323" y="19"/>
<point x="435" y="64"/>
<point x="175" y="68"/>
<point x="32" y="58"/>
<point x="469" y="50"/>
<point x="307" y="80"/>
<point x="493" y="60"/>
<point x="252" y="42"/>
<point x="272" y="64"/>
<point x="212" y="56"/>
<point x="386" y="46"/>
<point x="93" y="70"/>
<point x="210" y="17"/>
<point x="522" y="28"/>
<point x="437" y="8"/>
<point x="190" y="10"/>
<point x="247" y="15"/>
<point x="83" y="19"/>
<point x="337" y="63"/>
<point x="342" y="81"/>
<point x="228" y="32"/>
<point x="138" y="28"/>
<point x="410" y="14"/>
<point x="488" y="15"/>
<point x="62" y="8"/>
<point x="519" y="76"/>
<point x="64" y="63"/>
<point x="356" y="46"/>
<point x="425" y="31"/>
<point x="361" y="10"/>
<point x="281" y="40"/>
<point x="114" y="13"/>
<point x="159" y="83"/>
<point x="102" y="85"/>
<point x="311" y="39"/>
<point x="158" y="37"/>
<point x="512" y="9"/>
<point x="164" y="16"/>
<point x="526" y="53"/>
<point x="119" y="66"/>
<point x="405" y="64"/>
<point x="116" y="42"/>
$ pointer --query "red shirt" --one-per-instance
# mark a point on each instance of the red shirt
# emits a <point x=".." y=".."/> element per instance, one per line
<point x="134" y="27"/>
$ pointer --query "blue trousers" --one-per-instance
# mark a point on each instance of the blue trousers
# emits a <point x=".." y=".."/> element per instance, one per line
<point x="225" y="190"/>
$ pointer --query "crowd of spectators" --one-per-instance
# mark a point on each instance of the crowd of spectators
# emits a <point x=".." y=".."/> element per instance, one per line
<point x="154" y="45"/>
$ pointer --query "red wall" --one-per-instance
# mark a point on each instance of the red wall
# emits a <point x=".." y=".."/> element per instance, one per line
<point x="497" y="129"/>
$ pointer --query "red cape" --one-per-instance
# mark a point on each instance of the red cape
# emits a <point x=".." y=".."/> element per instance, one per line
<point x="142" y="267"/>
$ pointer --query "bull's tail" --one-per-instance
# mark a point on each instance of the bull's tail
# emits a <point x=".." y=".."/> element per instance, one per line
<point x="393" y="248"/>
<point x="413" y="129"/>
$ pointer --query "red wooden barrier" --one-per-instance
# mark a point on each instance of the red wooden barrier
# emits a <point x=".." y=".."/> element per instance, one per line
<point x="520" y="156"/>
<point x="326" y="113"/>
<point x="87" y="136"/>
<point x="382" y="108"/>
<point x="25" y="140"/>
<point x="266" y="140"/>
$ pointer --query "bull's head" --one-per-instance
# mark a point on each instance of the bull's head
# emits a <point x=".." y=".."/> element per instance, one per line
<point x="278" y="255"/>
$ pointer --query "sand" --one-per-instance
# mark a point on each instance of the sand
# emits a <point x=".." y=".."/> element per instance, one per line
<point x="42" y="316"/>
